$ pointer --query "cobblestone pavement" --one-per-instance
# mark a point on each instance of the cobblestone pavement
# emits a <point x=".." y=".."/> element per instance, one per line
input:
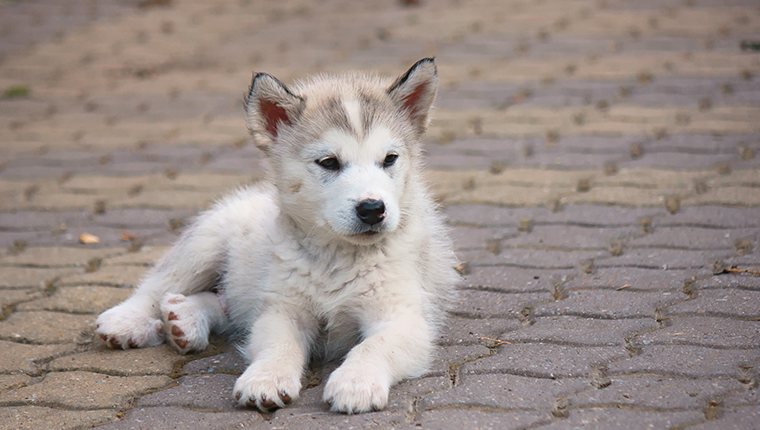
<point x="597" y="160"/>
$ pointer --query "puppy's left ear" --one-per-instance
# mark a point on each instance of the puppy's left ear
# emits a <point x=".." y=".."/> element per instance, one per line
<point x="414" y="92"/>
<point x="271" y="108"/>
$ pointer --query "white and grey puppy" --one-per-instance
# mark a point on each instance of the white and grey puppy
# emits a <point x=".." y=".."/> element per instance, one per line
<point x="341" y="253"/>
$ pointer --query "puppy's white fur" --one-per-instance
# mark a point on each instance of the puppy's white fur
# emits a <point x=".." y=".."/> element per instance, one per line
<point x="298" y="274"/>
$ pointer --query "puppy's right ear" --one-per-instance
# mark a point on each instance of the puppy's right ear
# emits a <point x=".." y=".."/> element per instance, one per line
<point x="270" y="107"/>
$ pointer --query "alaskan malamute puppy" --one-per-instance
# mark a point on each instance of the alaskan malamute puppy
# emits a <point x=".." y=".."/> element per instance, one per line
<point x="341" y="253"/>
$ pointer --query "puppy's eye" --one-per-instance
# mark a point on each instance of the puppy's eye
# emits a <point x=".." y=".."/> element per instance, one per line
<point x="329" y="163"/>
<point x="390" y="159"/>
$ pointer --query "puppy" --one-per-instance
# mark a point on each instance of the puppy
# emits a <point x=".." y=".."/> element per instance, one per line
<point x="340" y="254"/>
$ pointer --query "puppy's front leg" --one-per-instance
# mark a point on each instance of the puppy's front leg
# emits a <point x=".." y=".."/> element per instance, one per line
<point x="393" y="349"/>
<point x="279" y="346"/>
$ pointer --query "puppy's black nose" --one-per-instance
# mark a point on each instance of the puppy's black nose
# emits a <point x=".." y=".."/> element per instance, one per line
<point x="371" y="211"/>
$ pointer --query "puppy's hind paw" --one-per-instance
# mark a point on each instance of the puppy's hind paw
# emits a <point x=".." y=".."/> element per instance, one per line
<point x="122" y="327"/>
<point x="186" y="329"/>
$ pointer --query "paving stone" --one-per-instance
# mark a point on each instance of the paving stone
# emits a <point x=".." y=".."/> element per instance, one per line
<point x="79" y="300"/>
<point x="598" y="216"/>
<point x="12" y="297"/>
<point x="486" y="304"/>
<point x="56" y="256"/>
<point x="570" y="237"/>
<point x="726" y="280"/>
<point x="15" y="277"/>
<point x="34" y="417"/>
<point x="467" y="331"/>
<point x="742" y="398"/>
<point x="627" y="419"/>
<point x="446" y="356"/>
<point x="609" y="304"/>
<point x="637" y="279"/>
<point x="712" y="216"/>
<point x="482" y="420"/>
<point x="156" y="360"/>
<point x="654" y="258"/>
<point x="705" y="331"/>
<point x="505" y="392"/>
<point x="209" y="392"/>
<point x="656" y="392"/>
<point x="146" y="256"/>
<point x="490" y="216"/>
<point x="120" y="276"/>
<point x="578" y="331"/>
<point x="516" y="279"/>
<point x="12" y="382"/>
<point x="685" y="361"/>
<point x="692" y="238"/>
<point x="44" y="327"/>
<point x="723" y="303"/>
<point x="129" y="218"/>
<point x="470" y="237"/>
<point x="85" y="390"/>
<point x="165" y="418"/>
<point x="229" y="361"/>
<point x="538" y="258"/>
<point x="19" y="357"/>
<point x="542" y="360"/>
<point x="743" y="417"/>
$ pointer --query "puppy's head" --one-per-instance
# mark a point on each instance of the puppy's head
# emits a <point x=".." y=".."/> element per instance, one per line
<point x="344" y="149"/>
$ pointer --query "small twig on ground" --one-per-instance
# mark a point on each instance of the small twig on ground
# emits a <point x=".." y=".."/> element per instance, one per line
<point x="624" y="286"/>
<point x="736" y="270"/>
<point x="497" y="341"/>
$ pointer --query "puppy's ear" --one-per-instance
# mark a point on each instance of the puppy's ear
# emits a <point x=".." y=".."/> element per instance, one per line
<point x="270" y="107"/>
<point x="414" y="92"/>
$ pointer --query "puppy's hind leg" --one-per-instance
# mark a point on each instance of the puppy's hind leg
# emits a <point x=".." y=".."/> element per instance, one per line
<point x="191" y="266"/>
<point x="189" y="320"/>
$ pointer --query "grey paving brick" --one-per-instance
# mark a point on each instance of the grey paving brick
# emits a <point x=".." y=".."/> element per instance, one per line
<point x="610" y="304"/>
<point x="481" y="420"/>
<point x="538" y="258"/>
<point x="636" y="279"/>
<point x="580" y="331"/>
<point x="446" y="356"/>
<point x="490" y="216"/>
<point x="474" y="303"/>
<point x="206" y="391"/>
<point x="685" y="361"/>
<point x="659" y="258"/>
<point x="506" y="392"/>
<point x="627" y="419"/>
<point x="570" y="237"/>
<point x="693" y="238"/>
<point x="656" y="392"/>
<point x="78" y="299"/>
<point x="42" y="327"/>
<point x="544" y="360"/>
<point x="165" y="418"/>
<point x="467" y="331"/>
<point x="473" y="237"/>
<point x="737" y="418"/>
<point x="705" y="331"/>
<point x="28" y="417"/>
<point x="711" y="216"/>
<point x="516" y="279"/>
<point x="229" y="361"/>
<point x="744" y="280"/>
<point x="742" y="398"/>
<point x="735" y="303"/>
<point x="599" y="216"/>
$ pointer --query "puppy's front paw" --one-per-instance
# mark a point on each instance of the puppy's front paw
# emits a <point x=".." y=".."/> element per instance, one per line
<point x="129" y="326"/>
<point x="267" y="386"/>
<point x="353" y="390"/>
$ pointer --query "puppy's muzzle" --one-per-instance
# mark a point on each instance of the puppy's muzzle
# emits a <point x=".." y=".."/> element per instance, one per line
<point x="371" y="211"/>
